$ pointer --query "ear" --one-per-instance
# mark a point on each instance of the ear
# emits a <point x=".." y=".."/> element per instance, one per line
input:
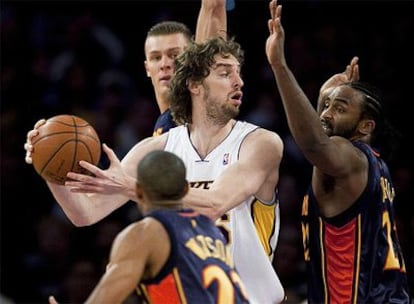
<point x="194" y="87"/>
<point x="139" y="192"/>
<point x="186" y="189"/>
<point x="366" y="126"/>
<point x="146" y="69"/>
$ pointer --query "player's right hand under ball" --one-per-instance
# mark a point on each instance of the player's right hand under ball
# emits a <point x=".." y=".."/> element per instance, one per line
<point x="28" y="144"/>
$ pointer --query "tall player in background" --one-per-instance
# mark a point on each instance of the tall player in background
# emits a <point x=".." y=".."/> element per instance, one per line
<point x="173" y="254"/>
<point x="168" y="39"/>
<point x="351" y="246"/>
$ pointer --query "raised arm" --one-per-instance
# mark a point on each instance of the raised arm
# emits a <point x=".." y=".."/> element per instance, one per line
<point x="255" y="173"/>
<point x="331" y="155"/>
<point x="212" y="20"/>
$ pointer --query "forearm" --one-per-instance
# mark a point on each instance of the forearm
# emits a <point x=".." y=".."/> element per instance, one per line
<point x="85" y="209"/>
<point x="203" y="201"/>
<point x="303" y="121"/>
<point x="212" y="20"/>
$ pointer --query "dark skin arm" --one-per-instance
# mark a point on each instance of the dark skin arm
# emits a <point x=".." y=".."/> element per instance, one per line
<point x="340" y="169"/>
<point x="134" y="256"/>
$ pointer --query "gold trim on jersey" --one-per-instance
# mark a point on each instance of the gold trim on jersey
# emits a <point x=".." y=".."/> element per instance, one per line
<point x="264" y="219"/>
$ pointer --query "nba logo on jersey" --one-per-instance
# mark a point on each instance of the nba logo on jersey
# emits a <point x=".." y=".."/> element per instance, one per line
<point x="226" y="157"/>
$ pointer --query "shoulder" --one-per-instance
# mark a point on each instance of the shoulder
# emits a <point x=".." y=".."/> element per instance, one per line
<point x="152" y="143"/>
<point x="264" y="138"/>
<point x="141" y="232"/>
<point x="262" y="145"/>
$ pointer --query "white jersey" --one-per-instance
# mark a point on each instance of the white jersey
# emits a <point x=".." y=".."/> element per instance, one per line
<point x="252" y="228"/>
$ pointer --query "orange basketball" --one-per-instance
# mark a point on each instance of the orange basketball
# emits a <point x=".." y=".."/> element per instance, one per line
<point x="63" y="141"/>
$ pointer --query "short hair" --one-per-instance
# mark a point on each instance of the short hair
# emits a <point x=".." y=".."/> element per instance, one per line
<point x="194" y="65"/>
<point x="385" y="137"/>
<point x="168" y="28"/>
<point x="162" y="175"/>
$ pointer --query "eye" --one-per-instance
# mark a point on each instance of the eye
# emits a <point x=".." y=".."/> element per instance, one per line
<point x="224" y="74"/>
<point x="339" y="109"/>
<point x="155" y="58"/>
<point x="175" y="55"/>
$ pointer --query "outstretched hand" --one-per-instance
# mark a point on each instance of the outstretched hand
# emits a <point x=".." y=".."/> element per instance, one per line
<point x="110" y="181"/>
<point x="351" y="73"/>
<point x="276" y="40"/>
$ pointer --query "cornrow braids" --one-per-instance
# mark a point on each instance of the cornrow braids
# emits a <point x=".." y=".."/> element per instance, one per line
<point x="385" y="137"/>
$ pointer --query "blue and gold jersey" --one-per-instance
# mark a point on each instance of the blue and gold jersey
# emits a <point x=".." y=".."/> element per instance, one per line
<point x="200" y="268"/>
<point x="164" y="123"/>
<point x="355" y="257"/>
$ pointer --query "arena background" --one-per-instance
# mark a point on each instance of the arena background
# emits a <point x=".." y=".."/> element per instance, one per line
<point x="86" y="58"/>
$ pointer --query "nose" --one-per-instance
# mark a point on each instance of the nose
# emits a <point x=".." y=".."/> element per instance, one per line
<point x="326" y="114"/>
<point x="166" y="62"/>
<point x="238" y="81"/>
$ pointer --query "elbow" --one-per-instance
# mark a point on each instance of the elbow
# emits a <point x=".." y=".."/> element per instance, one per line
<point x="216" y="211"/>
<point x="211" y="210"/>
<point x="214" y="215"/>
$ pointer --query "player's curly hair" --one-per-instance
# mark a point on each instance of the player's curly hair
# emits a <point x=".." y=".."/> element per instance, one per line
<point x="194" y="66"/>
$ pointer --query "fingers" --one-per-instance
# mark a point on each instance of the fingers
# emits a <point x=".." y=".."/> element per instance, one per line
<point x="28" y="157"/>
<point x="353" y="73"/>
<point x="39" y="123"/>
<point x="52" y="300"/>
<point x="272" y="9"/>
<point x="276" y="14"/>
<point x="90" y="167"/>
<point x="279" y="12"/>
<point x="28" y="144"/>
<point x="275" y="10"/>
<point x="31" y="134"/>
<point x="354" y="60"/>
<point x="29" y="147"/>
<point x="110" y="153"/>
<point x="77" y="177"/>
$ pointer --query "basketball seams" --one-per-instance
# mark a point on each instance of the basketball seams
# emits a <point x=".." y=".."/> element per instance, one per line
<point x="59" y="151"/>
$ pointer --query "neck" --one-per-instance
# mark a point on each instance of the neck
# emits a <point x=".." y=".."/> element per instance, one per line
<point x="165" y="204"/>
<point x="162" y="103"/>
<point x="207" y="136"/>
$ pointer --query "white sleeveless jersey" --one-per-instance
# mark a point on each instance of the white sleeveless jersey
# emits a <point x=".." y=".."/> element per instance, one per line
<point x="252" y="228"/>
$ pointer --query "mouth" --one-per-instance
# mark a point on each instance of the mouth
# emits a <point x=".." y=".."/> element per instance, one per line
<point x="236" y="98"/>
<point x="165" y="79"/>
<point x="326" y="126"/>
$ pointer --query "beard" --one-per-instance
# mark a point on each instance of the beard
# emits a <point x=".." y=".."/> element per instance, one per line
<point x="344" y="131"/>
<point x="217" y="111"/>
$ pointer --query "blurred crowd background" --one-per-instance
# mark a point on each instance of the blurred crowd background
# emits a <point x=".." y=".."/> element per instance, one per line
<point x="86" y="58"/>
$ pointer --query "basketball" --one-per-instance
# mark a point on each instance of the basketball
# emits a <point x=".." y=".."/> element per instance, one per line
<point x="63" y="141"/>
